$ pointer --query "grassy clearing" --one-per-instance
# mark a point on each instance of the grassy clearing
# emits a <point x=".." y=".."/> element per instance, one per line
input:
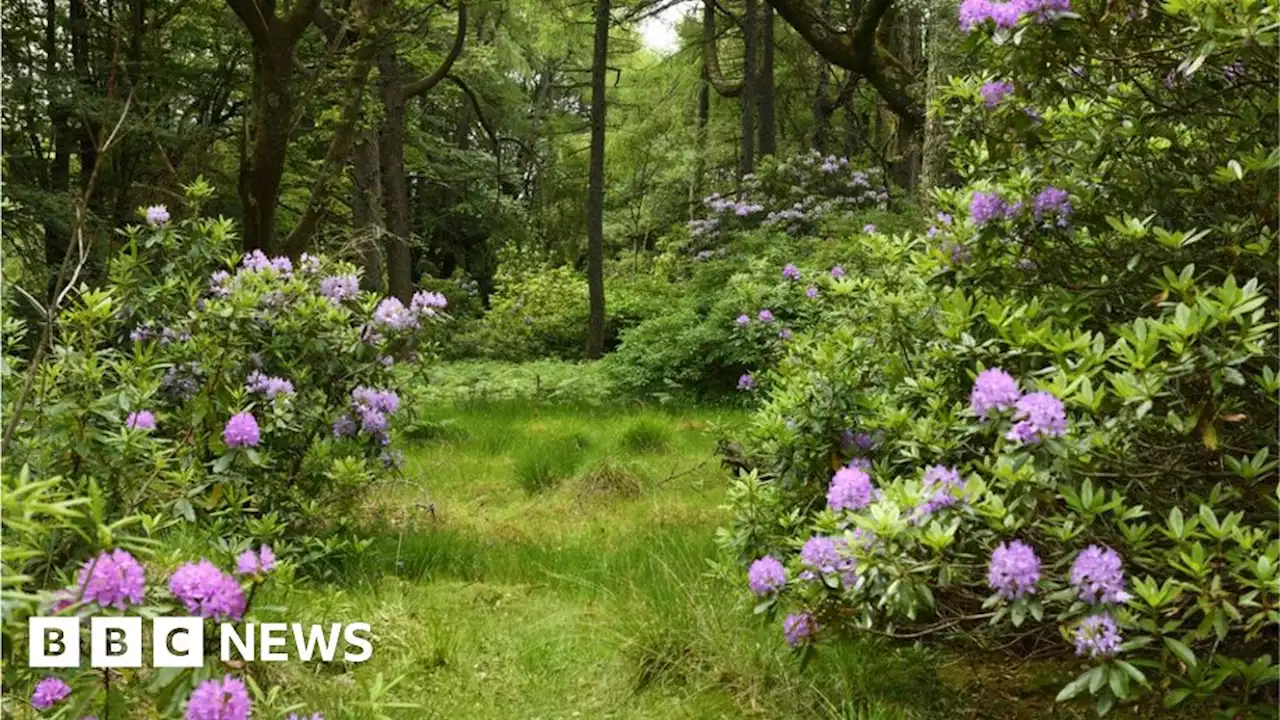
<point x="587" y="598"/>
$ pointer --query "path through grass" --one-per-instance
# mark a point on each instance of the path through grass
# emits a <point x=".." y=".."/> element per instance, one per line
<point x="554" y="564"/>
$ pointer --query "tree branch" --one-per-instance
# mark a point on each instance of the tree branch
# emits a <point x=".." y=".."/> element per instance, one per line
<point x="424" y="84"/>
<point x="475" y="104"/>
<point x="298" y="19"/>
<point x="255" y="21"/>
<point x="855" y="50"/>
<point x="711" y="57"/>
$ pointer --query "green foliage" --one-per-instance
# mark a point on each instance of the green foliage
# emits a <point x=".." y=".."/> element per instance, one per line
<point x="546" y="381"/>
<point x="1144" y="306"/>
<point x="163" y="338"/>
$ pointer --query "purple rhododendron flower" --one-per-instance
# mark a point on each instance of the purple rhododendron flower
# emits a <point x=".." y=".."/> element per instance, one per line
<point x="372" y="406"/>
<point x="247" y="563"/>
<point x="941" y="483"/>
<point x="766" y="575"/>
<point x="985" y="207"/>
<point x="225" y="699"/>
<point x="797" y="628"/>
<point x="746" y="382"/>
<point x="49" y="692"/>
<point x="425" y="302"/>
<point x="157" y="215"/>
<point x="141" y="420"/>
<point x="837" y="272"/>
<point x="1098" y="573"/>
<point x="791" y="272"/>
<point x="272" y="387"/>
<point x="869" y="229"/>
<point x="207" y="591"/>
<point x="344" y="427"/>
<point x="1053" y="202"/>
<point x="821" y="554"/>
<point x="973" y="13"/>
<point x="310" y="263"/>
<point x="765" y="316"/>
<point x="1040" y="415"/>
<point x="113" y="579"/>
<point x="340" y="287"/>
<point x="1014" y="570"/>
<point x="267" y="557"/>
<point x="1006" y="15"/>
<point x="993" y="390"/>
<point x="242" y="431"/>
<point x="743" y="320"/>
<point x="811" y="292"/>
<point x="256" y="563"/>
<point x="1098" y="636"/>
<point x="850" y="489"/>
<point x="392" y="314"/>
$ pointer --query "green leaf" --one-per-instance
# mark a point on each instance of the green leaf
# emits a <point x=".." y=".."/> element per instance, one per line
<point x="1182" y="651"/>
<point x="1073" y="688"/>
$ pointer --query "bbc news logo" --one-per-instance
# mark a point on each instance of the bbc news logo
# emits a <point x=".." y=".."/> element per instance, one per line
<point x="178" y="642"/>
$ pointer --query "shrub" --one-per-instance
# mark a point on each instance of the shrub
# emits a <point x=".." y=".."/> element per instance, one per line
<point x="252" y="397"/>
<point x="113" y="574"/>
<point x="1103" y="493"/>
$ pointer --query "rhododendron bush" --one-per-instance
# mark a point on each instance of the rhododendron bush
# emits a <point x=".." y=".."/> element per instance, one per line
<point x="252" y="394"/>
<point x="126" y="576"/>
<point x="1047" y="426"/>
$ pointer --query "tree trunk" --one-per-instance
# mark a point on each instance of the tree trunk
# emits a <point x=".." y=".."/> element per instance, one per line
<point x="944" y="54"/>
<point x="595" y="186"/>
<point x="366" y="209"/>
<point x="905" y="41"/>
<point x="55" y="235"/>
<point x="704" y="118"/>
<point x="269" y="122"/>
<point x="768" y="125"/>
<point x="747" y="157"/>
<point x="395" y="191"/>
<point x="84" y="83"/>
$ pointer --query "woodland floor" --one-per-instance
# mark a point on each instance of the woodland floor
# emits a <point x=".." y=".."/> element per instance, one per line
<point x="593" y="597"/>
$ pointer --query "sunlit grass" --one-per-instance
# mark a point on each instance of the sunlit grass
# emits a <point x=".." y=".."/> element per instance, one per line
<point x="588" y="598"/>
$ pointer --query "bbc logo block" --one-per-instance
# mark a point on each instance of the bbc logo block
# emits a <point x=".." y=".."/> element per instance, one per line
<point x="115" y="642"/>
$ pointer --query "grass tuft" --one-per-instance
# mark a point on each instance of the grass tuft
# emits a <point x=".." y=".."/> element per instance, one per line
<point x="543" y="465"/>
<point x="646" y="435"/>
<point x="608" y="478"/>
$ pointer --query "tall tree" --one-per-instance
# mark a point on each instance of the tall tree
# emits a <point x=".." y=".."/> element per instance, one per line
<point x="269" y="122"/>
<point x="750" y="28"/>
<point x="391" y="142"/>
<point x="943" y="50"/>
<point x="768" y="123"/>
<point x="595" y="185"/>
